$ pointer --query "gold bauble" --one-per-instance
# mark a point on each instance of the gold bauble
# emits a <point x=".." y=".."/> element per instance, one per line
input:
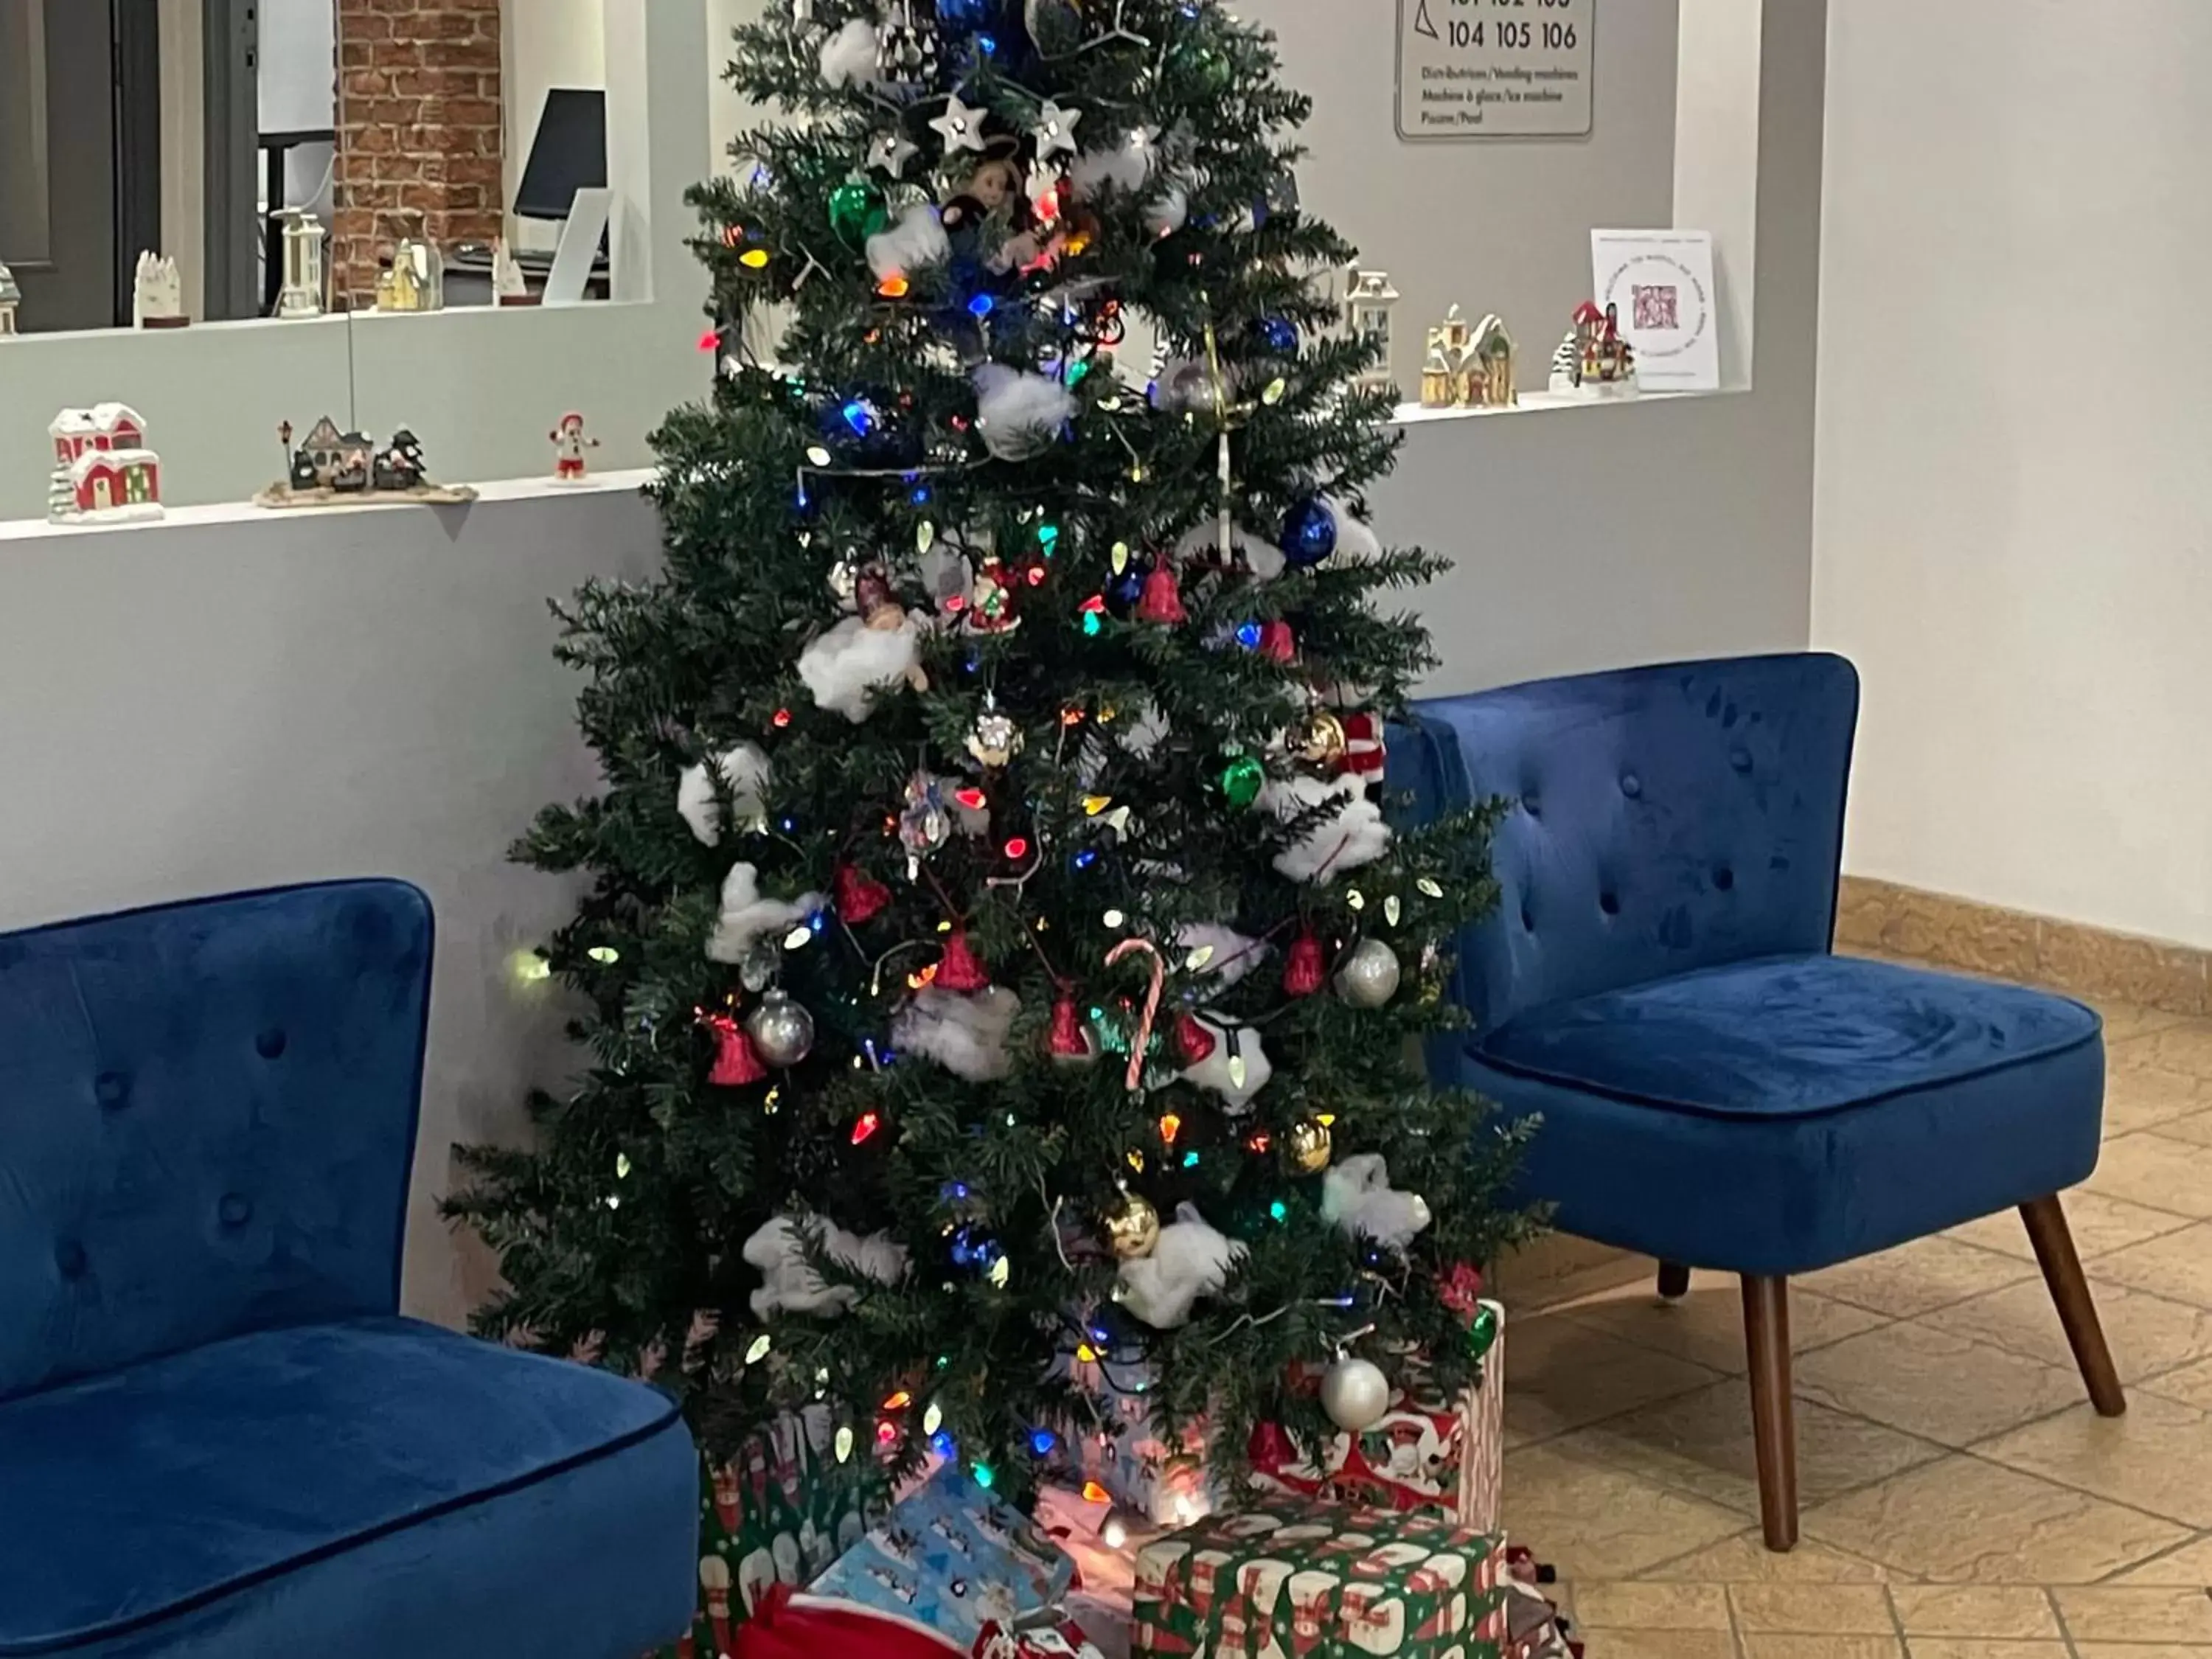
<point x="1133" y="1227"/>
<point x="1320" y="740"/>
<point x="1307" y="1148"/>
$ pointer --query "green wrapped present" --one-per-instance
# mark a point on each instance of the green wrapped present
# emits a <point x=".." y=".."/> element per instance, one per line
<point x="781" y="1511"/>
<point x="1315" y="1581"/>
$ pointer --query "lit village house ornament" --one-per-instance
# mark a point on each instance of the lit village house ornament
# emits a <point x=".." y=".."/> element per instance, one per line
<point x="332" y="468"/>
<point x="1468" y="367"/>
<point x="1367" y="305"/>
<point x="103" y="472"/>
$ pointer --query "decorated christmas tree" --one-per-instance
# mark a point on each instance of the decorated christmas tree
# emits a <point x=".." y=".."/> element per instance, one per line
<point x="1004" y="984"/>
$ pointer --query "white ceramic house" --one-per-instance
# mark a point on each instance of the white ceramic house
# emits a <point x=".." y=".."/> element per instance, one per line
<point x="11" y="296"/>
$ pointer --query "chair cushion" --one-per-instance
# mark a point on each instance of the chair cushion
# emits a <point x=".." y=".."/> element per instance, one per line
<point x="1783" y="1114"/>
<point x="366" y="1487"/>
<point x="1785" y="1037"/>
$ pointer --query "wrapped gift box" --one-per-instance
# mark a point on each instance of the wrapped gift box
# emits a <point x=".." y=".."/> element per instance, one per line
<point x="1427" y="1452"/>
<point x="954" y="1557"/>
<point x="1319" y="1578"/>
<point x="1053" y="1636"/>
<point x="1132" y="1459"/>
<point x="778" y="1512"/>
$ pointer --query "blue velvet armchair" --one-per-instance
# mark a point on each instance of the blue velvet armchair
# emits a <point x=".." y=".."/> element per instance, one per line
<point x="1717" y="1089"/>
<point x="217" y="1437"/>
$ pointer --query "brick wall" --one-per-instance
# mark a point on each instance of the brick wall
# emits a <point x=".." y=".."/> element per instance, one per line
<point x="420" y="137"/>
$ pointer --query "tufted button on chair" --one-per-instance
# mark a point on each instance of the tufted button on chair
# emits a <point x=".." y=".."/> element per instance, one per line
<point x="1717" y="1089"/>
<point x="217" y="1438"/>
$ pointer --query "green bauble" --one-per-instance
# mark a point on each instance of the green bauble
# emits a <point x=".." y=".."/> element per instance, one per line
<point x="856" y="210"/>
<point x="1210" y="68"/>
<point x="1242" y="779"/>
<point x="1483" y="1332"/>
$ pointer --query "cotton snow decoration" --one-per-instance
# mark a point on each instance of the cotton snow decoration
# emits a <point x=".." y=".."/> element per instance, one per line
<point x="779" y="1250"/>
<point x="1231" y="955"/>
<point x="963" y="1032"/>
<point x="1018" y="415"/>
<point x="1237" y="1069"/>
<point x="1357" y="1196"/>
<point x="1191" y="1259"/>
<point x="917" y="239"/>
<point x="1165" y="214"/>
<point x="1125" y="167"/>
<point x="1354" y="834"/>
<point x="744" y="774"/>
<point x="858" y="658"/>
<point x="849" y="56"/>
<point x="747" y="917"/>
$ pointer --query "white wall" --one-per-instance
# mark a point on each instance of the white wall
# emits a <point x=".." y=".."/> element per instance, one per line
<point x="2014" y="494"/>
<point x="256" y="700"/>
<point x="544" y="44"/>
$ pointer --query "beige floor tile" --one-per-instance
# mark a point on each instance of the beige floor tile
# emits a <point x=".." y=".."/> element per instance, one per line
<point x="1745" y="1560"/>
<point x="1648" y="1606"/>
<point x="2100" y="1225"/>
<point x="1812" y="1609"/>
<point x="1765" y="1646"/>
<point x="2170" y="1044"/>
<point x="1967" y="1647"/>
<point x="2147" y="1334"/>
<point x="1706" y="1326"/>
<point x="2191" y="1385"/>
<point x="2011" y="1613"/>
<point x="2158" y="1458"/>
<point x="2178" y="1266"/>
<point x="1557" y="1268"/>
<point x="1934" y="1383"/>
<point x="1593" y="1522"/>
<point x="1656" y="1644"/>
<point x="2142" y="1650"/>
<point x="1917" y="1278"/>
<point x="2158" y="1171"/>
<point x="1963" y="1520"/>
<point x="2189" y="1567"/>
<point x="2152" y="1079"/>
<point x="2105" y="1613"/>
<point x="2126" y="1021"/>
<point x="1560" y="1375"/>
<point x="1701" y="1443"/>
<point x="2197" y="1128"/>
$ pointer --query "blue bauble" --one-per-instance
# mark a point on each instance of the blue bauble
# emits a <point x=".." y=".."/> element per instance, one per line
<point x="960" y="18"/>
<point x="1279" y="334"/>
<point x="1123" y="592"/>
<point x="1308" y="533"/>
<point x="974" y="1249"/>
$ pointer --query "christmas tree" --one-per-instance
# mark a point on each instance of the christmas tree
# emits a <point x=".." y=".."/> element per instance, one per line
<point x="1003" y="983"/>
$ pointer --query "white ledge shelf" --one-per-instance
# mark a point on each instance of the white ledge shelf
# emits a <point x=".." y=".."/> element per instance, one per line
<point x="236" y="512"/>
<point x="1546" y="402"/>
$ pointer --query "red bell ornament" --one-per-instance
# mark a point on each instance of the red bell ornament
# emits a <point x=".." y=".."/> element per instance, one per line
<point x="858" y="896"/>
<point x="736" y="1064"/>
<point x="1278" y="643"/>
<point x="1304" y="969"/>
<point x="960" y="968"/>
<point x="1070" y="1042"/>
<point x="1162" y="600"/>
<point x="1193" y="1041"/>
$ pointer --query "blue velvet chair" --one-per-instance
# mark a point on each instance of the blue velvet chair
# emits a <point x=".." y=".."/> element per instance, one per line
<point x="1717" y="1089"/>
<point x="217" y="1437"/>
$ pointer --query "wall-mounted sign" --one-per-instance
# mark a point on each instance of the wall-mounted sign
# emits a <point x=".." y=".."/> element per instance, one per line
<point x="1495" y="69"/>
<point x="1659" y="286"/>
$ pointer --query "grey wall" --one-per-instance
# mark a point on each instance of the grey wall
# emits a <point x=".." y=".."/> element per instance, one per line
<point x="1592" y="537"/>
<point x="208" y="708"/>
<point x="1499" y="224"/>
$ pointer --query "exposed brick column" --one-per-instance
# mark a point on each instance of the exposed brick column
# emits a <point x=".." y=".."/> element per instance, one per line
<point x="420" y="138"/>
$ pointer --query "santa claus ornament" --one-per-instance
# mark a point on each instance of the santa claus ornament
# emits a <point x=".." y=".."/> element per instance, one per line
<point x="569" y="444"/>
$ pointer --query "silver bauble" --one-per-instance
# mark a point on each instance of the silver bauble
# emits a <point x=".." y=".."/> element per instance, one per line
<point x="1369" y="977"/>
<point x="1355" y="1393"/>
<point x="782" y="1031"/>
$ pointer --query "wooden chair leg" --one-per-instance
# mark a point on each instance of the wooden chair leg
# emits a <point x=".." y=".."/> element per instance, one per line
<point x="1674" y="1280"/>
<point x="1773" y="1425"/>
<point x="2077" y="1311"/>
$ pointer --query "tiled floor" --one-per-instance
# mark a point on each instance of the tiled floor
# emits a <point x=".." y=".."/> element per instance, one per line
<point x="1959" y="1499"/>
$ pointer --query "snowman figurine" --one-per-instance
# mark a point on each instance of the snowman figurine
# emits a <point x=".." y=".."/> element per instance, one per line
<point x="569" y="444"/>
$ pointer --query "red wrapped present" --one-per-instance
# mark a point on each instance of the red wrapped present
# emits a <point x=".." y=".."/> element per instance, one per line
<point x="1424" y="1453"/>
<point x="1062" y="1637"/>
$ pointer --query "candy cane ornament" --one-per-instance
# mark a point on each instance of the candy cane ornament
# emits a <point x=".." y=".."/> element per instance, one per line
<point x="1135" y="1079"/>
